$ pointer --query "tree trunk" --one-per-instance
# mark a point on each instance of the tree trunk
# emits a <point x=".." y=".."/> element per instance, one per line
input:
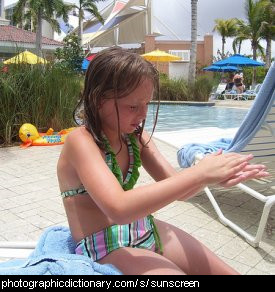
<point x="223" y="42"/>
<point x="193" y="53"/>
<point x="240" y="46"/>
<point x="80" y="26"/>
<point x="254" y="50"/>
<point x="268" y="53"/>
<point x="38" y="41"/>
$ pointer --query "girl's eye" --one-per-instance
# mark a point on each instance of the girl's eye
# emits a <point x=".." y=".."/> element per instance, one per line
<point x="133" y="107"/>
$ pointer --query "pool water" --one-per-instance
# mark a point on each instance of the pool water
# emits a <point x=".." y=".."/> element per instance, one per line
<point x="182" y="117"/>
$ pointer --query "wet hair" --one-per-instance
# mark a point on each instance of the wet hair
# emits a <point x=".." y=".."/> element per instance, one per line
<point x="114" y="72"/>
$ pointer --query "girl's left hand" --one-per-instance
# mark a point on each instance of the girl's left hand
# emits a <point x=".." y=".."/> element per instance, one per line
<point x="254" y="171"/>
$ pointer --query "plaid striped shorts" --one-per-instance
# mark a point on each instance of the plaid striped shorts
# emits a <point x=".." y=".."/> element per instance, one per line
<point x="139" y="234"/>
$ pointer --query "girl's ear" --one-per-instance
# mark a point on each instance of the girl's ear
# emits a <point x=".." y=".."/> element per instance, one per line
<point x="101" y="103"/>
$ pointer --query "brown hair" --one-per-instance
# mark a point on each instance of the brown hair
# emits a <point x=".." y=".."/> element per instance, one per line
<point x="116" y="72"/>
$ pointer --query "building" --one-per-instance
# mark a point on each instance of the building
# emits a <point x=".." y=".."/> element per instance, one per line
<point x="181" y="48"/>
<point x="3" y="21"/>
<point x="134" y="21"/>
<point x="47" y="30"/>
<point x="14" y="39"/>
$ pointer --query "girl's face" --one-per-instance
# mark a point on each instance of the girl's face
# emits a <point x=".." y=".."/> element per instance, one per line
<point x="132" y="109"/>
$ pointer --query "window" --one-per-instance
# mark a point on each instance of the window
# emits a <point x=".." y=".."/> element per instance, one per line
<point x="183" y="54"/>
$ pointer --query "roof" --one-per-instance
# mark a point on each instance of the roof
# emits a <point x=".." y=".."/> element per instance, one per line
<point x="10" y="33"/>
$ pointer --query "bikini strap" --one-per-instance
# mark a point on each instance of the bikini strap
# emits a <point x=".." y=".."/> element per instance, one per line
<point x="74" y="192"/>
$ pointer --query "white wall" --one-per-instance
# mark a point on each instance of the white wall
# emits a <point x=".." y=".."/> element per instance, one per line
<point x="178" y="70"/>
<point x="2" y="8"/>
<point x="47" y="30"/>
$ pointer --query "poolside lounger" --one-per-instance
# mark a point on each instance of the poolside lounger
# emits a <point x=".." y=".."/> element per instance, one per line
<point x="256" y="135"/>
<point x="251" y="93"/>
<point x="218" y="91"/>
<point x="10" y="249"/>
<point x="53" y="254"/>
<point x="247" y="95"/>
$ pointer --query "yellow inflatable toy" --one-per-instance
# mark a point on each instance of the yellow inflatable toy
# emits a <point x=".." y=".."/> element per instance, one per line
<point x="30" y="136"/>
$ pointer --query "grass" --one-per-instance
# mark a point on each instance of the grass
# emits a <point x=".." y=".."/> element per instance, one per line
<point x="42" y="95"/>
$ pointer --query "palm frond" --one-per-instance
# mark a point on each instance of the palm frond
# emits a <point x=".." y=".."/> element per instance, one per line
<point x="90" y="7"/>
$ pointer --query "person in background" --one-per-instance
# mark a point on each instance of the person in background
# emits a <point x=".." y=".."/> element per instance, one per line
<point x="230" y="82"/>
<point x="238" y="83"/>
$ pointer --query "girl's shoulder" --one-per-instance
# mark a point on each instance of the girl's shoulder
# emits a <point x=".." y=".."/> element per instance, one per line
<point x="80" y="146"/>
<point x="79" y="138"/>
<point x="79" y="133"/>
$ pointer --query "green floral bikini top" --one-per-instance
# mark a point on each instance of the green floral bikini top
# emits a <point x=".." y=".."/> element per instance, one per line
<point x="110" y="158"/>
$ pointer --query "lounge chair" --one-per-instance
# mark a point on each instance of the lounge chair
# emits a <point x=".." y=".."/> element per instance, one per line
<point x="256" y="135"/>
<point x="247" y="95"/>
<point x="217" y="93"/>
<point x="53" y="254"/>
<point x="19" y="250"/>
<point x="251" y="93"/>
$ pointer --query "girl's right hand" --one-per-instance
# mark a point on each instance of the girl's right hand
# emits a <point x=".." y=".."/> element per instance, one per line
<point x="218" y="167"/>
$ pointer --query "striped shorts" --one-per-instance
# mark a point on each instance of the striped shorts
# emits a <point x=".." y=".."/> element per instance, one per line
<point x="139" y="234"/>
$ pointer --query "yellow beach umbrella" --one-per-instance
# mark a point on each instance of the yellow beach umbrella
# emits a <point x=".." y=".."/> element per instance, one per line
<point x="26" y="57"/>
<point x="160" y="56"/>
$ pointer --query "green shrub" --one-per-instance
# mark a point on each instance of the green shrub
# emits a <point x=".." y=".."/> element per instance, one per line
<point x="201" y="89"/>
<point x="71" y="55"/>
<point x="180" y="90"/>
<point x="41" y="95"/>
<point x="247" y="74"/>
<point x="173" y="89"/>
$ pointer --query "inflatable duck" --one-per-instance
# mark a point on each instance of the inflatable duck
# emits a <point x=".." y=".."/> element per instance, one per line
<point x="30" y="136"/>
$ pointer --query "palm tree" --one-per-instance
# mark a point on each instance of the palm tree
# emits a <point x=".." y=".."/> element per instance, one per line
<point x="193" y="52"/>
<point x="35" y="11"/>
<point x="268" y="27"/>
<point x="226" y="28"/>
<point x="251" y="29"/>
<point x="89" y="6"/>
<point x="237" y="43"/>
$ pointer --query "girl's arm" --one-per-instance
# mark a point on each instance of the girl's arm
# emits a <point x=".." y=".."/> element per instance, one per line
<point x="127" y="206"/>
<point x="158" y="167"/>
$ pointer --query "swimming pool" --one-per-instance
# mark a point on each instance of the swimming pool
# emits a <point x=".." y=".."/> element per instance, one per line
<point x="181" y="124"/>
<point x="182" y="117"/>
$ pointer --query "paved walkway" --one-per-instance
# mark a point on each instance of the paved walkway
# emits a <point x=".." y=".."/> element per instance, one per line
<point x="30" y="202"/>
<point x="234" y="103"/>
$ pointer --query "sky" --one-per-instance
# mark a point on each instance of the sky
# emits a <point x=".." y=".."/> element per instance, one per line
<point x="176" y="15"/>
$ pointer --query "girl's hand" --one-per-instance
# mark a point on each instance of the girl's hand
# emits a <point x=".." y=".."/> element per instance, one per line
<point x="255" y="171"/>
<point x="217" y="168"/>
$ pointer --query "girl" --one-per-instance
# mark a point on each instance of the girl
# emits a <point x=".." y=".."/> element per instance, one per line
<point x="98" y="168"/>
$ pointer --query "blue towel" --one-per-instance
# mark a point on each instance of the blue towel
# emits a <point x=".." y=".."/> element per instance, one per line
<point x="250" y="125"/>
<point x="54" y="255"/>
<point x="257" y="113"/>
<point x="186" y="155"/>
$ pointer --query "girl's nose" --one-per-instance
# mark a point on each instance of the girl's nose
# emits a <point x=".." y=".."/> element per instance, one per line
<point x="143" y="111"/>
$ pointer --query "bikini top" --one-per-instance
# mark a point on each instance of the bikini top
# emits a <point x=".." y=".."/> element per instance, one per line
<point x="110" y="158"/>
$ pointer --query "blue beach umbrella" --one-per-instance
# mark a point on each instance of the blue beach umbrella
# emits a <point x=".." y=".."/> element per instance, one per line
<point x="87" y="61"/>
<point x="238" y="60"/>
<point x="85" y="64"/>
<point x="214" y="68"/>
